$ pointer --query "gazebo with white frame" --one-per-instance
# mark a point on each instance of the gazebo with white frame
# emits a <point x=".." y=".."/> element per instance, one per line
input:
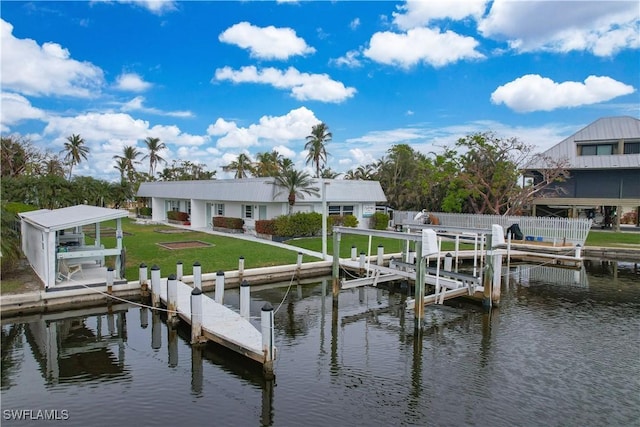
<point x="54" y="243"/>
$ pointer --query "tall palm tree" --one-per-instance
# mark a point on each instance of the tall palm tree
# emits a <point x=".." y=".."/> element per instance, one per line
<point x="154" y="146"/>
<point x="75" y="151"/>
<point x="128" y="161"/>
<point x="243" y="166"/>
<point x="296" y="184"/>
<point x="316" y="146"/>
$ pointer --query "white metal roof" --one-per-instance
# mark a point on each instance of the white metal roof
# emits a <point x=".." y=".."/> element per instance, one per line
<point x="606" y="129"/>
<point x="260" y="190"/>
<point x="73" y="216"/>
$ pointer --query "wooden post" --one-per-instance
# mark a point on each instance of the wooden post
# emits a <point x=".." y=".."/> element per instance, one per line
<point x="380" y="259"/>
<point x="448" y="262"/>
<point x="219" y="293"/>
<point x="299" y="265"/>
<point x="179" y="270"/>
<point x="196" y="316"/>
<point x="144" y="317"/>
<point x="354" y="253"/>
<point x="197" y="275"/>
<point x="155" y="286"/>
<point x="245" y="299"/>
<point x="143" y="280"/>
<point x="156" y="331"/>
<point x="418" y="308"/>
<point x="497" y="240"/>
<point x="457" y="251"/>
<point x="240" y="268"/>
<point x="172" y="339"/>
<point x="488" y="277"/>
<point x="196" y="369"/>
<point x="335" y="269"/>
<point x="172" y="298"/>
<point x="110" y="281"/>
<point x="268" y="339"/>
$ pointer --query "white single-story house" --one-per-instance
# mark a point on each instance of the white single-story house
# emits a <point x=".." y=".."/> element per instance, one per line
<point x="258" y="198"/>
<point x="54" y="243"/>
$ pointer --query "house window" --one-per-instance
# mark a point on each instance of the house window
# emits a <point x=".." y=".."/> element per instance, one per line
<point x="598" y="149"/>
<point x="262" y="212"/>
<point x="632" y="148"/>
<point x="341" y="210"/>
<point x="188" y="205"/>
<point x="247" y="211"/>
<point x="219" y="209"/>
<point x="174" y="205"/>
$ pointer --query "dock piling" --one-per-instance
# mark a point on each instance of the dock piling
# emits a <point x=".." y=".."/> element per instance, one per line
<point x="354" y="252"/>
<point x="245" y="299"/>
<point x="172" y="298"/>
<point x="380" y="258"/>
<point x="110" y="280"/>
<point x="179" y="270"/>
<point x="196" y="316"/>
<point x="268" y="339"/>
<point x="240" y="268"/>
<point x="155" y="286"/>
<point x="143" y="280"/>
<point x="219" y="293"/>
<point x="197" y="275"/>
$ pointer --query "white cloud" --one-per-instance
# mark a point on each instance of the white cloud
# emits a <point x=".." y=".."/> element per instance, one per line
<point x="46" y="70"/>
<point x="266" y="42"/>
<point x="533" y="92"/>
<point x="421" y="45"/>
<point x="600" y="27"/>
<point x="137" y="104"/>
<point x="354" y="24"/>
<point x="416" y="13"/>
<point x="293" y="126"/>
<point x="350" y="59"/>
<point x="16" y="108"/>
<point x="303" y="86"/>
<point x="157" y="7"/>
<point x="131" y="82"/>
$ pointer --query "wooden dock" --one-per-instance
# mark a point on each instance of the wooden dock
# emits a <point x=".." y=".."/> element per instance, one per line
<point x="213" y="321"/>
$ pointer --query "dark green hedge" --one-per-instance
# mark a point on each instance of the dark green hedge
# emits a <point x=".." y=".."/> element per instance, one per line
<point x="228" y="222"/>
<point x="379" y="221"/>
<point x="144" y="211"/>
<point x="178" y="216"/>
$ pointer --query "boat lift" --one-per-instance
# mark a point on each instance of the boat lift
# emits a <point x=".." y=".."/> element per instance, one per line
<point x="484" y="283"/>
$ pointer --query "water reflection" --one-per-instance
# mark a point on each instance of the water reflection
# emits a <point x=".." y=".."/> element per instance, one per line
<point x="354" y="358"/>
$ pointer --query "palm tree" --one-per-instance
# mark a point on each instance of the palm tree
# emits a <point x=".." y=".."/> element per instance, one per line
<point x="153" y="147"/>
<point x="296" y="184"/>
<point x="316" y="146"/>
<point x="127" y="161"/>
<point x="75" y="151"/>
<point x="243" y="166"/>
<point x="268" y="164"/>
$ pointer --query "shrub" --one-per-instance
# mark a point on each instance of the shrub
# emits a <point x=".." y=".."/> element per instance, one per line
<point x="379" y="221"/>
<point x="228" y="222"/>
<point x="178" y="216"/>
<point x="266" y="226"/>
<point x="629" y="218"/>
<point x="350" y="221"/>
<point x="300" y="224"/>
<point x="144" y="211"/>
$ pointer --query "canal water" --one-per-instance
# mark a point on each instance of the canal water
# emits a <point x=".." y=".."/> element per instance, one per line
<point x="563" y="349"/>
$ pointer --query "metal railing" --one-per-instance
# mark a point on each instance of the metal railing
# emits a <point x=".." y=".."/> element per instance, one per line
<point x="558" y="231"/>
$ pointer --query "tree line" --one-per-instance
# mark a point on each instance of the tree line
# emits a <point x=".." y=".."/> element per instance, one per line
<point x="480" y="173"/>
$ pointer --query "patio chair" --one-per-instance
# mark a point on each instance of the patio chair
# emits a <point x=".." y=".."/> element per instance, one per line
<point x="67" y="270"/>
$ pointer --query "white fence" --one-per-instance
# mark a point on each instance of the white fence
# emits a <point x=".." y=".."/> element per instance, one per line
<point x="559" y="231"/>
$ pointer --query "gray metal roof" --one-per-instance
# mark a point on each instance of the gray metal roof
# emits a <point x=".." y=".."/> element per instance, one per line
<point x="260" y="190"/>
<point x="73" y="216"/>
<point x="606" y="129"/>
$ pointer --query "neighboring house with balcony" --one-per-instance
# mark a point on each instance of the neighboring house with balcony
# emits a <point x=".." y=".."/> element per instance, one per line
<point x="254" y="199"/>
<point x="603" y="160"/>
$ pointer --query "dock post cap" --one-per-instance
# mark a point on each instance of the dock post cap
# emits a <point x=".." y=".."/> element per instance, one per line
<point x="179" y="262"/>
<point x="241" y="257"/>
<point x="267" y="307"/>
<point x="220" y="273"/>
<point x="109" y="268"/>
<point x="172" y="277"/>
<point x="143" y="265"/>
<point x="155" y="267"/>
<point x="196" y="264"/>
<point x="244" y="283"/>
<point x="196" y="291"/>
<point x="448" y="254"/>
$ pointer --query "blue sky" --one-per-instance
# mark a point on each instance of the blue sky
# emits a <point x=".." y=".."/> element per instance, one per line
<point x="214" y="79"/>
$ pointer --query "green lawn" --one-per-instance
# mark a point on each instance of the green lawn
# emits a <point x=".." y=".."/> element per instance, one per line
<point x="141" y="243"/>
<point x="608" y="238"/>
